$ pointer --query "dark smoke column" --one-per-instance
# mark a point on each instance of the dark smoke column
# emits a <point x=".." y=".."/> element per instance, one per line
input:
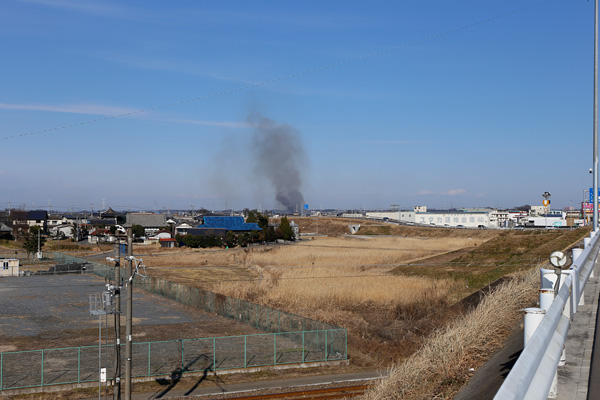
<point x="278" y="153"/>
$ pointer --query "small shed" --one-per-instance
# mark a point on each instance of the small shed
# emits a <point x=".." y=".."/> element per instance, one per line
<point x="9" y="267"/>
<point x="167" y="243"/>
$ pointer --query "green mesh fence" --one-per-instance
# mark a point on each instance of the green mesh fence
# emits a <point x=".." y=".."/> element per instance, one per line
<point x="25" y="369"/>
<point x="289" y="339"/>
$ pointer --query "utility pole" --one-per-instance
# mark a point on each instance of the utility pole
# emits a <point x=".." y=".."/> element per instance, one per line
<point x="128" y="333"/>
<point x="117" y="387"/>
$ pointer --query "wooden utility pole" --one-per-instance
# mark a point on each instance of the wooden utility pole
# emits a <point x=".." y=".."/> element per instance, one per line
<point x="128" y="334"/>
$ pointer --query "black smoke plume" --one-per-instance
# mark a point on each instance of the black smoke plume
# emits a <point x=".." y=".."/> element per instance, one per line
<point x="278" y="154"/>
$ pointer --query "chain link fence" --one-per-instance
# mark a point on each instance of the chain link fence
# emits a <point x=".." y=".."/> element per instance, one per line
<point x="25" y="369"/>
<point x="289" y="339"/>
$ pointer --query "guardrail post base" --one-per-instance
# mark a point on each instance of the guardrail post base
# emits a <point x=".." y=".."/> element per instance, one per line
<point x="533" y="318"/>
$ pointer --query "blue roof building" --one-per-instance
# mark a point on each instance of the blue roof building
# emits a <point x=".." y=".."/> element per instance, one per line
<point x="235" y="224"/>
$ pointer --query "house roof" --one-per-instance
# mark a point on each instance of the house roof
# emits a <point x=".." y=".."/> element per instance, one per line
<point x="147" y="220"/>
<point x="229" y="223"/>
<point x="37" y="214"/>
<point x="110" y="213"/>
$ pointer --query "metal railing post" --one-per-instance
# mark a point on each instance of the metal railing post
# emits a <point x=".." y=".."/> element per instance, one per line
<point x="574" y="289"/>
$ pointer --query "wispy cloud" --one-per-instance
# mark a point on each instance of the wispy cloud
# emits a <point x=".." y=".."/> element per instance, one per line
<point x="93" y="109"/>
<point x="455" y="192"/>
<point x="180" y="66"/>
<point x="99" y="8"/>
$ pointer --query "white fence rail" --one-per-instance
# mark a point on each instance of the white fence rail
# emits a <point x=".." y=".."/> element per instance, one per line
<point x="534" y="374"/>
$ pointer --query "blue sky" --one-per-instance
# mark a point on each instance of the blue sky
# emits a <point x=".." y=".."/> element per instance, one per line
<point x="411" y="102"/>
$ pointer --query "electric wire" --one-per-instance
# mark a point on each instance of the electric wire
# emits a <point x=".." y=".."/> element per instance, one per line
<point x="289" y="76"/>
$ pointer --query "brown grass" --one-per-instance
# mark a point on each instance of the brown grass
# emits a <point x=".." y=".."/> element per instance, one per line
<point x="438" y="368"/>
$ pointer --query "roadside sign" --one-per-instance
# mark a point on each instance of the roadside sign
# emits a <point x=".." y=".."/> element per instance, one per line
<point x="546" y="203"/>
<point x="591" y="192"/>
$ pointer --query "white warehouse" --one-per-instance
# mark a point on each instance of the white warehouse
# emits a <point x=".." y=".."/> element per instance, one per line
<point x="447" y="218"/>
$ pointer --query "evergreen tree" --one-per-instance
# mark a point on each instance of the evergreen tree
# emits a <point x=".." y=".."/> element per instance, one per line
<point x="286" y="229"/>
<point x="31" y="240"/>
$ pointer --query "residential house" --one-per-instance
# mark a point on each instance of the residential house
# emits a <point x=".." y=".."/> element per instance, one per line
<point x="65" y="230"/>
<point x="5" y="231"/>
<point x="182" y="229"/>
<point x="151" y="223"/>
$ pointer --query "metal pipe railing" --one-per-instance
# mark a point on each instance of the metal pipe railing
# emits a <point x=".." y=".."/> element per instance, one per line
<point x="534" y="374"/>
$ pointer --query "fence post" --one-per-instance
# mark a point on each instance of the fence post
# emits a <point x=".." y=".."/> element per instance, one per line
<point x="79" y="365"/>
<point x="149" y="357"/>
<point x="245" y="351"/>
<point x="274" y="349"/>
<point x="182" y="358"/>
<point x="302" y="346"/>
<point x="346" y="349"/>
<point x="42" y="368"/>
<point x="326" y="354"/>
<point x="214" y="354"/>
<point x="1" y="371"/>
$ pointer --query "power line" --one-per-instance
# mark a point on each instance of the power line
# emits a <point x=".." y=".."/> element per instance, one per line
<point x="289" y="76"/>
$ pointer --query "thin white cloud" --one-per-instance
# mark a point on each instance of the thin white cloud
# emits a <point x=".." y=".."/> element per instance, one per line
<point x="179" y="66"/>
<point x="455" y="192"/>
<point x="100" y="8"/>
<point x="93" y="109"/>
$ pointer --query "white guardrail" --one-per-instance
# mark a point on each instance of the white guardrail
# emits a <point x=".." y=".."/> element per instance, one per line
<point x="534" y="374"/>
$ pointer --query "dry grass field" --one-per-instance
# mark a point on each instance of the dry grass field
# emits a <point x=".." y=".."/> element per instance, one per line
<point x="345" y="280"/>
<point x="391" y="288"/>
